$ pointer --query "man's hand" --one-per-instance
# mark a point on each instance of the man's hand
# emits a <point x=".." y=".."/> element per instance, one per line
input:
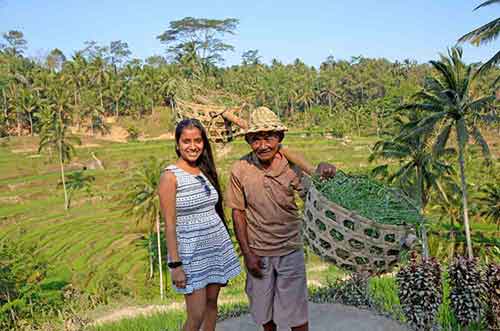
<point x="326" y="170"/>
<point x="253" y="264"/>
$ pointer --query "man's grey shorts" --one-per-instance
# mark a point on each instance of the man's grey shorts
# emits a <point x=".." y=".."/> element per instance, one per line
<point x="281" y="294"/>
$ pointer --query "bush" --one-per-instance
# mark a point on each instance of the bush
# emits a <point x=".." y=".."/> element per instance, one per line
<point x="133" y="133"/>
<point x="352" y="291"/>
<point x="420" y="291"/>
<point x="26" y="292"/>
<point x="468" y="290"/>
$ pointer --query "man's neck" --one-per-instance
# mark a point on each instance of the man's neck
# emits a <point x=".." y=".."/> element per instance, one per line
<point x="271" y="164"/>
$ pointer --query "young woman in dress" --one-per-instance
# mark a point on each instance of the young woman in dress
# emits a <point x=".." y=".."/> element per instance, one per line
<point x="200" y="252"/>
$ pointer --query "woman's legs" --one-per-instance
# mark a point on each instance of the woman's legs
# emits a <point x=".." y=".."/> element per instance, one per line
<point x="211" y="307"/>
<point x="196" y="305"/>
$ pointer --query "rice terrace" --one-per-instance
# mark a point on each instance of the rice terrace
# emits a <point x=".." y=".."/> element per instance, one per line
<point x="406" y="236"/>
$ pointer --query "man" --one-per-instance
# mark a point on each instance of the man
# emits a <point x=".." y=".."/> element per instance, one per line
<point x="261" y="193"/>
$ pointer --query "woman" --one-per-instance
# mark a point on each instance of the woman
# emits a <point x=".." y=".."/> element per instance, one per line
<point x="201" y="255"/>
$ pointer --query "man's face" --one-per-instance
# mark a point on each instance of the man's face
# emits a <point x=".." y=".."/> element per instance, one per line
<point x="264" y="144"/>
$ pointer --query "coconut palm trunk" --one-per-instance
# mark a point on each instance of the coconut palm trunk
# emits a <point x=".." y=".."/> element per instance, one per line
<point x="423" y="230"/>
<point x="150" y="251"/>
<point x="158" y="244"/>
<point x="63" y="180"/>
<point x="463" y="181"/>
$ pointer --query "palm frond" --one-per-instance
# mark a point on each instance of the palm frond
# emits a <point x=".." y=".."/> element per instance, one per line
<point x="484" y="34"/>
<point x="444" y="71"/>
<point x="441" y="140"/>
<point x="479" y="104"/>
<point x="478" y="137"/>
<point x="490" y="64"/>
<point x="487" y="3"/>
<point x="380" y="171"/>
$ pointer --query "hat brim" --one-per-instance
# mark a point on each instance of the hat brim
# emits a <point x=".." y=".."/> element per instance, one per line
<point x="268" y="129"/>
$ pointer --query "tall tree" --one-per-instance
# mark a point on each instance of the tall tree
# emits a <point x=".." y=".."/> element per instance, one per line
<point x="451" y="106"/>
<point x="199" y="37"/>
<point x="143" y="204"/>
<point x="119" y="52"/>
<point x="56" y="59"/>
<point x="16" y="44"/>
<point x="420" y="171"/>
<point x="484" y="35"/>
<point x="56" y="118"/>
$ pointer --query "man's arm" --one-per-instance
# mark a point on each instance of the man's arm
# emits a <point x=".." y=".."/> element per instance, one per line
<point x="252" y="261"/>
<point x="325" y="170"/>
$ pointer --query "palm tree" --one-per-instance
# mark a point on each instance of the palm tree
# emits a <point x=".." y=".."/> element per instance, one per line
<point x="143" y="204"/>
<point x="451" y="105"/>
<point x="420" y="171"/>
<point x="55" y="120"/>
<point x="484" y="35"/>
<point x="77" y="181"/>
<point x="490" y="202"/>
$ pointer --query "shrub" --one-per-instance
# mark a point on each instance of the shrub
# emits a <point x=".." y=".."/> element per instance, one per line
<point x="467" y="295"/>
<point x="420" y="291"/>
<point x="352" y="291"/>
<point x="133" y="133"/>
<point x="26" y="293"/>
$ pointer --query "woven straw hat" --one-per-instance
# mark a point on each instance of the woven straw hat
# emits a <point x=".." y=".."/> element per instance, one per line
<point x="263" y="119"/>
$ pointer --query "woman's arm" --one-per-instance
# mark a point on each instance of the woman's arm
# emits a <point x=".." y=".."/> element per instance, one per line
<point x="167" y="193"/>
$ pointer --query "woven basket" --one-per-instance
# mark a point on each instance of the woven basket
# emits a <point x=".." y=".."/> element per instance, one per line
<point x="219" y="130"/>
<point x="351" y="241"/>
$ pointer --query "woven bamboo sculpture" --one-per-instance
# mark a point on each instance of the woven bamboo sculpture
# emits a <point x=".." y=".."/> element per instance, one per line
<point x="219" y="121"/>
<point x="349" y="240"/>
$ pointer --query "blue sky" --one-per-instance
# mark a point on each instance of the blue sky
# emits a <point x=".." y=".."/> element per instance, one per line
<point x="283" y="29"/>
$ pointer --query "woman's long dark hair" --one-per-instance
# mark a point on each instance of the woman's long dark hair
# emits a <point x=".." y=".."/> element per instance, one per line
<point x="206" y="160"/>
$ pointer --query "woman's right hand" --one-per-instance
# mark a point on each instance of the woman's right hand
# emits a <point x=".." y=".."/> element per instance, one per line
<point x="179" y="277"/>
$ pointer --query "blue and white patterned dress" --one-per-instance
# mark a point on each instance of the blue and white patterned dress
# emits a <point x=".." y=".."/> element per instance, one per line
<point x="204" y="246"/>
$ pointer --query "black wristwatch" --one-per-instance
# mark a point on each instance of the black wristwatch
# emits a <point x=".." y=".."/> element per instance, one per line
<point x="173" y="265"/>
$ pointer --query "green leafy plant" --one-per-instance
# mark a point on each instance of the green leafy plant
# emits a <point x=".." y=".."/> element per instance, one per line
<point x="351" y="291"/>
<point x="78" y="181"/>
<point x="370" y="199"/>
<point x="420" y="291"/>
<point x="468" y="290"/>
<point x="133" y="133"/>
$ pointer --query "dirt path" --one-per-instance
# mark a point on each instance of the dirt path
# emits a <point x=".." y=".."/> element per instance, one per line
<point x="135" y="311"/>
<point x="326" y="317"/>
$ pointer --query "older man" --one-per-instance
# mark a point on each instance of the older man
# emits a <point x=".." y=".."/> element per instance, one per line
<point x="261" y="193"/>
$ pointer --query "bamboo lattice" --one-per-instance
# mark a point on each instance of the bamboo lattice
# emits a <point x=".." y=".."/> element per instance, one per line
<point x="349" y="240"/>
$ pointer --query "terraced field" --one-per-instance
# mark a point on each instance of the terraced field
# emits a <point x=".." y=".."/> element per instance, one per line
<point x="94" y="242"/>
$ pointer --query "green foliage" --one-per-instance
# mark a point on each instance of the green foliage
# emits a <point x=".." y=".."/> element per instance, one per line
<point x="370" y="199"/>
<point x="78" y="181"/>
<point x="133" y="133"/>
<point x="485" y="34"/>
<point x="468" y="290"/>
<point x="383" y="292"/>
<point x="351" y="291"/>
<point x="489" y="202"/>
<point x="26" y="290"/>
<point x="420" y="292"/>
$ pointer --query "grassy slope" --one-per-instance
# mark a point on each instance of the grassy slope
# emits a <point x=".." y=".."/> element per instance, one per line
<point x="94" y="239"/>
